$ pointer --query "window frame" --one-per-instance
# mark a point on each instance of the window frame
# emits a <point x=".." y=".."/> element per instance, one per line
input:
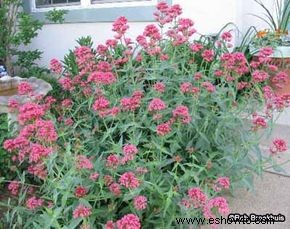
<point x="108" y="11"/>
<point x="55" y="5"/>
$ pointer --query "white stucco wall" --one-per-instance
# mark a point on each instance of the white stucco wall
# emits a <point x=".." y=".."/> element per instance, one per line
<point x="209" y="17"/>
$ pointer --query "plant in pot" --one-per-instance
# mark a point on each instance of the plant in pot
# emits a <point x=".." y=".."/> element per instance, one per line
<point x="276" y="36"/>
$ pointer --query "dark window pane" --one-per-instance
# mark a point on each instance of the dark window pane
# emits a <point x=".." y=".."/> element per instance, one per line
<point x="47" y="3"/>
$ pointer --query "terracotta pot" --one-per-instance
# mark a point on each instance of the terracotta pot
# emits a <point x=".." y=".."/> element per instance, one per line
<point x="284" y="65"/>
<point x="281" y="58"/>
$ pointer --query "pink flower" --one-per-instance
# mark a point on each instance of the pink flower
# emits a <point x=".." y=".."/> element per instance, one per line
<point x="129" y="152"/>
<point x="196" y="47"/>
<point x="278" y="145"/>
<point x="30" y="111"/>
<point x="163" y="129"/>
<point x="197" y="76"/>
<point x="227" y="36"/>
<point x="38" y="170"/>
<point x="152" y="31"/>
<point x="94" y="176"/>
<point x="80" y="191"/>
<point x="105" y="78"/>
<point x="182" y="111"/>
<point x="101" y="103"/>
<point x="185" y="87"/>
<point x="66" y="83"/>
<point x="13" y="103"/>
<point x="108" y="180"/>
<point x="112" y="161"/>
<point x="217" y="202"/>
<point x="115" y="188"/>
<point x="82" y="211"/>
<point x="33" y="203"/>
<point x="83" y="162"/>
<point x="38" y="151"/>
<point x="110" y="225"/>
<point x="156" y="104"/>
<point x="129" y="180"/>
<point x="279" y="79"/>
<point x="159" y="86"/>
<point x="265" y="52"/>
<point x="197" y="197"/>
<point x="222" y="183"/>
<point x="104" y="66"/>
<point x="68" y="122"/>
<point x="140" y="202"/>
<point x="130" y="104"/>
<point x="55" y="66"/>
<point x="120" y="26"/>
<point x="24" y="88"/>
<point x="13" y="187"/>
<point x="208" y="55"/>
<point x="260" y="76"/>
<point x="67" y="103"/>
<point x="208" y="86"/>
<point x="129" y="221"/>
<point x="45" y="130"/>
<point x="259" y="122"/>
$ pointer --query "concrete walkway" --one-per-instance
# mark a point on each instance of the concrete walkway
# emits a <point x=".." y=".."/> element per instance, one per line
<point x="271" y="195"/>
<point x="271" y="192"/>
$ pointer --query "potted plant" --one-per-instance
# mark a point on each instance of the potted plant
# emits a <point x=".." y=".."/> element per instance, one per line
<point x="276" y="36"/>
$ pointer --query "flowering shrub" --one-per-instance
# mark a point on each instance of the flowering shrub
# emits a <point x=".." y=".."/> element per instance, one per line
<point x="148" y="132"/>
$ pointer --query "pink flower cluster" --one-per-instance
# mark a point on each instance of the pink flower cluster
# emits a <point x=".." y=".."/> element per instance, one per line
<point x="36" y="136"/>
<point x="104" y="78"/>
<point x="183" y="31"/>
<point x="33" y="203"/>
<point x="198" y="199"/>
<point x="129" y="180"/>
<point x="129" y="152"/>
<point x="166" y="14"/>
<point x="156" y="104"/>
<point x="260" y="76"/>
<point x="159" y="86"/>
<point x="29" y="112"/>
<point x="188" y="88"/>
<point x="129" y="221"/>
<point x="234" y="63"/>
<point x="182" y="112"/>
<point x="120" y="26"/>
<point x="101" y="105"/>
<point x="208" y="55"/>
<point x="149" y="40"/>
<point x="163" y="128"/>
<point x="218" y="203"/>
<point x="140" y="202"/>
<point x="13" y="187"/>
<point x="82" y="211"/>
<point x="24" y="88"/>
<point x="259" y="122"/>
<point x="85" y="59"/>
<point x="55" y="66"/>
<point x="132" y="103"/>
<point x="222" y="183"/>
<point x="80" y="191"/>
<point x="278" y="145"/>
<point x="82" y="162"/>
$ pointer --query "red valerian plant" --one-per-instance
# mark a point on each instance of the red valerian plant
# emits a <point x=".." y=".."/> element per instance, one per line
<point x="146" y="131"/>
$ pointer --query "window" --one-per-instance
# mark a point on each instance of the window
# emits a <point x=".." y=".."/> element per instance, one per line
<point x="55" y="3"/>
<point x="112" y="1"/>
<point x="86" y="11"/>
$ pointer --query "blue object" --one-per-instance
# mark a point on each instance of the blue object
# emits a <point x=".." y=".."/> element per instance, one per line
<point x="2" y="71"/>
